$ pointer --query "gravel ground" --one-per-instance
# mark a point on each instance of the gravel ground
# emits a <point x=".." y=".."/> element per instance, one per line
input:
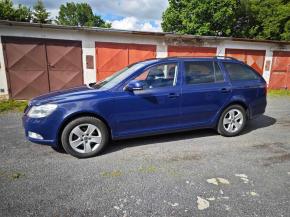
<point x="197" y="173"/>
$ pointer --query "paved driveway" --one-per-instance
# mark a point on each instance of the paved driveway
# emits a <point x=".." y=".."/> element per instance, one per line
<point x="196" y="173"/>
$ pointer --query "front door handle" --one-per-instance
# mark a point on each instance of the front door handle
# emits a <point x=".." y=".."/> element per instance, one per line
<point x="225" y="90"/>
<point x="173" y="95"/>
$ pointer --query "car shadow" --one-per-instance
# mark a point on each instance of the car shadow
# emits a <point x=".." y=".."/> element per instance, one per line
<point x="260" y="122"/>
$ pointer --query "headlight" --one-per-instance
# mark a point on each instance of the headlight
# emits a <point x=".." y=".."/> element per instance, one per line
<point x="41" y="111"/>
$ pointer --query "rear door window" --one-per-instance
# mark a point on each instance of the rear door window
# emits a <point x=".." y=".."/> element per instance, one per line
<point x="239" y="72"/>
<point x="201" y="72"/>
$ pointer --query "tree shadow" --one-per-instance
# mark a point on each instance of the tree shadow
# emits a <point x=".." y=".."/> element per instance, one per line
<point x="260" y="122"/>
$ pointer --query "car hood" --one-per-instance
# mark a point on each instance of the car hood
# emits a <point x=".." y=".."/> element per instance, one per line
<point x="61" y="96"/>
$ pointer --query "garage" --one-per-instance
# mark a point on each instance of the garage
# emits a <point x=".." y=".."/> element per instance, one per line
<point x="191" y="51"/>
<point x="254" y="58"/>
<point x="36" y="66"/>
<point x="280" y="72"/>
<point x="112" y="57"/>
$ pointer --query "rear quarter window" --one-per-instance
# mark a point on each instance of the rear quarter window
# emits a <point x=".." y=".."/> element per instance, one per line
<point x="239" y="72"/>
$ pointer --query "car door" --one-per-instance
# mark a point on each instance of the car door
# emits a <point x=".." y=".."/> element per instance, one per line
<point x="155" y="108"/>
<point x="204" y="92"/>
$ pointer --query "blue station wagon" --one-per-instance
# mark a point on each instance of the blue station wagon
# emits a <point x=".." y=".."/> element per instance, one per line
<point x="149" y="97"/>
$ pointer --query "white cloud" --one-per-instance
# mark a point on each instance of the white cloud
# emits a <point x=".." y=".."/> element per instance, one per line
<point x="132" y="23"/>
<point x="141" y="9"/>
<point x="131" y="14"/>
<point x="53" y="13"/>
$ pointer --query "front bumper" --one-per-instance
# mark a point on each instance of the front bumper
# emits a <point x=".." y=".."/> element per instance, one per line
<point x="46" y="127"/>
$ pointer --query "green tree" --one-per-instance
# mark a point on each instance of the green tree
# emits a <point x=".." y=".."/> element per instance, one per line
<point x="40" y="14"/>
<point x="19" y="13"/>
<point x="272" y="19"/>
<point x="6" y="10"/>
<point x="264" y="19"/>
<point x="79" y="14"/>
<point x="22" y="14"/>
<point x="207" y="17"/>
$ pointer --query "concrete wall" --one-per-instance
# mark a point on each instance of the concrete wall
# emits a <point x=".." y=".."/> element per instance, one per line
<point x="88" y="46"/>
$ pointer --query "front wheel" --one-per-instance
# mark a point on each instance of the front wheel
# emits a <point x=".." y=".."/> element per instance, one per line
<point x="85" y="137"/>
<point x="232" y="121"/>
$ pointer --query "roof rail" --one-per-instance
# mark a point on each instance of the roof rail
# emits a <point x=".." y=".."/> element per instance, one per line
<point x="186" y="57"/>
<point x="216" y="57"/>
<point x="225" y="57"/>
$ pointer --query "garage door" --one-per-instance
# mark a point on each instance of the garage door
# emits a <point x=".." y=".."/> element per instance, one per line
<point x="280" y="73"/>
<point x="191" y="51"/>
<point x="36" y="66"/>
<point x="64" y="64"/>
<point x="254" y="58"/>
<point x="26" y="67"/>
<point x="112" y="57"/>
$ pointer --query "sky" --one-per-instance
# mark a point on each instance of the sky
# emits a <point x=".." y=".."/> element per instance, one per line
<point x="144" y="15"/>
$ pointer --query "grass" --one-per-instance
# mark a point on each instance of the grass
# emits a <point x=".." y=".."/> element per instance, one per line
<point x="279" y="92"/>
<point x="149" y="169"/>
<point x="12" y="175"/>
<point x="12" y="105"/>
<point x="114" y="173"/>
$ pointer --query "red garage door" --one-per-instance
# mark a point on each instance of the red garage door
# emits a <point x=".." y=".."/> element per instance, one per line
<point x="280" y="73"/>
<point x="36" y="66"/>
<point x="254" y="58"/>
<point x="191" y="51"/>
<point x="111" y="57"/>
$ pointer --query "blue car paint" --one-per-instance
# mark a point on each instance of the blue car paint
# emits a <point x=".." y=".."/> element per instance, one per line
<point x="151" y="111"/>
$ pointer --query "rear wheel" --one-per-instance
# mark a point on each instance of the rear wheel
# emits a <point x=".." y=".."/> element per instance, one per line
<point x="85" y="137"/>
<point x="232" y="121"/>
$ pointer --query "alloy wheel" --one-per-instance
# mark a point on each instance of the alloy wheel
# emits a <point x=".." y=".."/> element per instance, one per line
<point x="85" y="138"/>
<point x="233" y="120"/>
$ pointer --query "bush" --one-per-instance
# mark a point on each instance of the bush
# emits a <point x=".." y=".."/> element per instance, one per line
<point x="12" y="105"/>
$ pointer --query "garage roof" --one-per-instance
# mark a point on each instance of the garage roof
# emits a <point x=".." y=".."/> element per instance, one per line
<point x="110" y="30"/>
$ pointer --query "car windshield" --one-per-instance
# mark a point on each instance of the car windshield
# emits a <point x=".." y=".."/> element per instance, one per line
<point x="117" y="77"/>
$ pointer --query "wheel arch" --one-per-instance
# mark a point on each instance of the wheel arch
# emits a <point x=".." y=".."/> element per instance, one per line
<point x="78" y="115"/>
<point x="234" y="102"/>
<point x="241" y="103"/>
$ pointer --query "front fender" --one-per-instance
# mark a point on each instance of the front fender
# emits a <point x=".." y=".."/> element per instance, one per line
<point x="101" y="109"/>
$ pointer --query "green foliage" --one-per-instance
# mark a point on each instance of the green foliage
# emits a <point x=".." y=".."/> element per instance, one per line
<point x="40" y="14"/>
<point x="278" y="92"/>
<point x="12" y="105"/>
<point x="263" y="19"/>
<point x="272" y="19"/>
<point x="9" y="12"/>
<point x="22" y="14"/>
<point x="79" y="14"/>
<point x="6" y="9"/>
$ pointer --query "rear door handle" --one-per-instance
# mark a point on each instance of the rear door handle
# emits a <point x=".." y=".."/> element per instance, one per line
<point x="173" y="95"/>
<point x="225" y="90"/>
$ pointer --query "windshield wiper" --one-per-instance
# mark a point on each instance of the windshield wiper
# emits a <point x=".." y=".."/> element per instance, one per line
<point x="98" y="85"/>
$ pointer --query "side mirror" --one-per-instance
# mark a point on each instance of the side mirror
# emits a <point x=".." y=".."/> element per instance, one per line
<point x="134" y="85"/>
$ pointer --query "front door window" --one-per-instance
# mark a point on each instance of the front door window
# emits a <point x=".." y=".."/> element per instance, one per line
<point x="163" y="75"/>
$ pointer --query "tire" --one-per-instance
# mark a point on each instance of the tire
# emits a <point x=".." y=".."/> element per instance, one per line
<point x="85" y="137"/>
<point x="232" y="121"/>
